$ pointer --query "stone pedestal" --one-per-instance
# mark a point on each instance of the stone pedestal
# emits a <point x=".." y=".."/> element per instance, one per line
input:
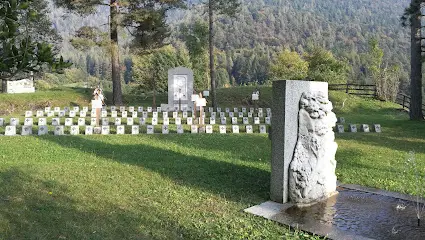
<point x="286" y="145"/>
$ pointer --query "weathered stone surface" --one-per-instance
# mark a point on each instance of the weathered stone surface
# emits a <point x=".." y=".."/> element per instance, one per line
<point x="312" y="169"/>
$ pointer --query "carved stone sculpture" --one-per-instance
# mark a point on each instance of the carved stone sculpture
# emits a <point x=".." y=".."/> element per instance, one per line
<point x="312" y="169"/>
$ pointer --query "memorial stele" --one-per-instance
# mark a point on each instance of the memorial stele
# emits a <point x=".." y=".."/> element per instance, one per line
<point x="180" y="88"/>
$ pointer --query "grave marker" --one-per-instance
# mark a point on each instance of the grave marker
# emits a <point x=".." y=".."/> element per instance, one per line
<point x="341" y="120"/>
<point x="227" y="110"/>
<point x="340" y="128"/>
<point x="251" y="110"/>
<point x="222" y="114"/>
<point x="219" y="109"/>
<point x="175" y="115"/>
<point x="213" y="114"/>
<point x="149" y="109"/>
<point x="66" y="109"/>
<point x="155" y="115"/>
<point x="1" y="121"/>
<point x="245" y="120"/>
<point x="105" y="121"/>
<point x="243" y="110"/>
<point x="178" y="121"/>
<point x="81" y="122"/>
<point x="250" y="114"/>
<point x="97" y="130"/>
<point x="61" y="113"/>
<point x="256" y="120"/>
<point x="142" y="121"/>
<point x="234" y="120"/>
<point x="89" y="130"/>
<point x="26" y="130"/>
<point x="189" y="121"/>
<point x="71" y="114"/>
<point x="120" y="130"/>
<point x="47" y="109"/>
<point x="223" y="120"/>
<point x="263" y="129"/>
<point x="145" y="114"/>
<point x="260" y="114"/>
<point x="209" y="129"/>
<point x="42" y="130"/>
<point x="57" y="109"/>
<point x="85" y="109"/>
<point x="93" y="113"/>
<point x="135" y="130"/>
<point x="210" y="109"/>
<point x="83" y="114"/>
<point x="231" y="114"/>
<point x="139" y="109"/>
<point x="117" y="121"/>
<point x="180" y="129"/>
<point x="68" y="122"/>
<point x="59" y="130"/>
<point x="105" y="130"/>
<point x="222" y="129"/>
<point x="212" y="120"/>
<point x="122" y="108"/>
<point x="114" y="114"/>
<point x="113" y="108"/>
<point x="240" y="114"/>
<point x="150" y="129"/>
<point x="235" y="128"/>
<point x="75" y="130"/>
<point x="40" y="114"/>
<point x="42" y="122"/>
<point x="28" y="122"/>
<point x="166" y="121"/>
<point x="131" y="109"/>
<point x="134" y="114"/>
<point x="93" y="122"/>
<point x="165" y="129"/>
<point x="10" y="131"/>
<point x="104" y="114"/>
<point x="194" y="129"/>
<point x="76" y="109"/>
<point x="55" y="121"/>
<point x="14" y="121"/>
<point x="267" y="120"/>
<point x="185" y="114"/>
<point x="159" y="109"/>
<point x="165" y="115"/>
<point x="377" y="128"/>
<point x="124" y="114"/>
<point x="249" y="129"/>
<point x="353" y="128"/>
<point x="28" y="114"/>
<point x="235" y="110"/>
<point x="50" y="114"/>
<point x="154" y="121"/>
<point x="365" y="128"/>
<point x="130" y="121"/>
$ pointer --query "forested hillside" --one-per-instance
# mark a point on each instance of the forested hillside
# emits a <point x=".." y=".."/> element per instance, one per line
<point x="247" y="44"/>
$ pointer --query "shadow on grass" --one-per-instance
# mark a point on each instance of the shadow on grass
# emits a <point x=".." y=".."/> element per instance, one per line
<point x="236" y="182"/>
<point x="34" y="209"/>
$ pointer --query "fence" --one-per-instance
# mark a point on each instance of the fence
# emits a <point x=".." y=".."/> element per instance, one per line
<point x="404" y="101"/>
<point x="355" y="89"/>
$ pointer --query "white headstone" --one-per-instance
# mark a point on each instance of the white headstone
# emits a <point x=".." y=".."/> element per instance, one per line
<point x="377" y="128"/>
<point x="263" y="129"/>
<point x="159" y="109"/>
<point x="155" y="115"/>
<point x="113" y="108"/>
<point x="165" y="129"/>
<point x="212" y="120"/>
<point x="341" y="120"/>
<point x="227" y="110"/>
<point x="184" y="114"/>
<point x="149" y="109"/>
<point x="140" y="109"/>
<point x="92" y="121"/>
<point x="124" y="114"/>
<point x="166" y="121"/>
<point x="81" y="122"/>
<point x="250" y="114"/>
<point x="50" y="114"/>
<point x="104" y="114"/>
<point x="231" y="114"/>
<point x="68" y="122"/>
<point x="40" y="114"/>
<point x="154" y="121"/>
<point x="175" y="114"/>
<point x="117" y="121"/>
<point x="218" y="109"/>
<point x="105" y="121"/>
<point x="235" y="110"/>
<point x="189" y="121"/>
<point x="245" y="120"/>
<point x="256" y="120"/>
<point x="83" y="114"/>
<point x="66" y="109"/>
<point x="240" y="114"/>
<point x="93" y="113"/>
<point x="244" y="110"/>
<point x="235" y="128"/>
<point x="57" y="109"/>
<point x="76" y="109"/>
<point x="135" y="130"/>
<point x="105" y="130"/>
<point x="122" y="108"/>
<point x="42" y="130"/>
<point x="14" y="121"/>
<point x="62" y="113"/>
<point x="28" y="122"/>
<point x="28" y="114"/>
<point x="114" y="114"/>
<point x="260" y="114"/>
<point x="89" y="130"/>
<point x="267" y="120"/>
<point x="222" y="129"/>
<point x="249" y="129"/>
<point x="145" y="114"/>
<point x="47" y="109"/>
<point x="214" y="114"/>
<point x="210" y="109"/>
<point x="130" y="121"/>
<point x="42" y="122"/>
<point x="26" y="130"/>
<point x="234" y="120"/>
<point x="209" y="129"/>
<point x="97" y="130"/>
<point x="75" y="130"/>
<point x="222" y="114"/>
<point x="120" y="129"/>
<point x="223" y="120"/>
<point x="340" y="128"/>
<point x="365" y="128"/>
<point x="10" y="131"/>
<point x="131" y="109"/>
<point x="353" y="128"/>
<point x="178" y="121"/>
<point x="58" y="131"/>
<point x="85" y="109"/>
<point x="134" y="114"/>
<point x="55" y="121"/>
<point x="194" y="129"/>
<point x="150" y="129"/>
<point x="1" y="121"/>
<point x="142" y="121"/>
<point x="180" y="129"/>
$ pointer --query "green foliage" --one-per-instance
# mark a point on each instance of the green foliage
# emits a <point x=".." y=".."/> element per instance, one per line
<point x="290" y="66"/>
<point x="324" y="67"/>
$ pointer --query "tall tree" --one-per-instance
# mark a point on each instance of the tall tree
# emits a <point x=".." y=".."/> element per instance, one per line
<point x="145" y="19"/>
<point x="20" y="51"/>
<point x="412" y="18"/>
<point x="226" y="7"/>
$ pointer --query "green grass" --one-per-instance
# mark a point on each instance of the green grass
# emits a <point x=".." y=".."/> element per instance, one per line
<point x="179" y="186"/>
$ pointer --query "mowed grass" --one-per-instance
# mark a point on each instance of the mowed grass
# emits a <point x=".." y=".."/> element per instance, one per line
<point x="182" y="186"/>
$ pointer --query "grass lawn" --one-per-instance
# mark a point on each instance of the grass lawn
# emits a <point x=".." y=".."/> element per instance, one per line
<point x="179" y="186"/>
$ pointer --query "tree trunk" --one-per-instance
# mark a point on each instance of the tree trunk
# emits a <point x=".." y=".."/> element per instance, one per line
<point x="415" y="109"/>
<point x="116" y="75"/>
<point x="211" y="51"/>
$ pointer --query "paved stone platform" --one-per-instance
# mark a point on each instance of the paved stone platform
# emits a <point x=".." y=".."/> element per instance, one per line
<point x="355" y="213"/>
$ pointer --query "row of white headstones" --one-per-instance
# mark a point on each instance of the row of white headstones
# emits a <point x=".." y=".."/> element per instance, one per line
<point x="150" y="129"/>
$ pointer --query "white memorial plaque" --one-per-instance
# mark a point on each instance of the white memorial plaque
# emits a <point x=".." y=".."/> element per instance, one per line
<point x="251" y="110"/>
<point x="42" y="130"/>
<point x="180" y="129"/>
<point x="26" y="130"/>
<point x="231" y="114"/>
<point x="234" y="120"/>
<point x="245" y="120"/>
<point x="124" y="114"/>
<point x="145" y="114"/>
<point x="93" y="122"/>
<point x="47" y="109"/>
<point x="131" y="109"/>
<point x="68" y="122"/>
<point x="140" y="109"/>
<point x="10" y="131"/>
<point x="28" y="114"/>
<point x="105" y="121"/>
<point x="340" y="128"/>
<point x="365" y="128"/>
<point x="1" y="121"/>
<point x="135" y="130"/>
<point x="66" y="109"/>
<point x="210" y="109"/>
<point x="28" y="122"/>
<point x="353" y="128"/>
<point x="194" y="129"/>
<point x="85" y="109"/>
<point x="260" y="110"/>
<point x="105" y="130"/>
<point x="165" y="129"/>
<point x="14" y="122"/>
<point x="189" y="121"/>
<point x="165" y="115"/>
<point x="222" y="114"/>
<point x="209" y="129"/>
<point x="81" y="122"/>
<point x="155" y="115"/>
<point x="42" y="122"/>
<point x="120" y="130"/>
<point x="75" y="130"/>
<point x="260" y="114"/>
<point x="122" y="108"/>
<point x="89" y="130"/>
<point x="130" y="121"/>
<point x="166" y="121"/>
<point x="40" y="114"/>
<point x="56" y="121"/>
<point x="256" y="120"/>
<point x="212" y="120"/>
<point x="240" y="114"/>
<point x="76" y="109"/>
<point x="250" y="114"/>
<point x="50" y="114"/>
<point x="263" y="129"/>
<point x="178" y="121"/>
<point x="154" y="121"/>
<point x="142" y="121"/>
<point x="175" y="114"/>
<point x="159" y="109"/>
<point x="114" y="114"/>
<point x="235" y="128"/>
<point x="58" y="131"/>
<point x="57" y="109"/>
<point x="249" y="129"/>
<point x="61" y="113"/>
<point x="218" y="109"/>
<point x="150" y="129"/>
<point x="117" y="121"/>
<point x="185" y="115"/>
<point x="134" y="114"/>
<point x="227" y="110"/>
<point x="235" y="110"/>
<point x="223" y="120"/>
<point x="267" y="120"/>
<point x="71" y="114"/>
<point x="222" y="129"/>
<point x="244" y="110"/>
<point x="214" y="114"/>
<point x="149" y="109"/>
<point x="83" y="114"/>
<point x="113" y="108"/>
<point x="104" y="114"/>
<point x="377" y="128"/>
